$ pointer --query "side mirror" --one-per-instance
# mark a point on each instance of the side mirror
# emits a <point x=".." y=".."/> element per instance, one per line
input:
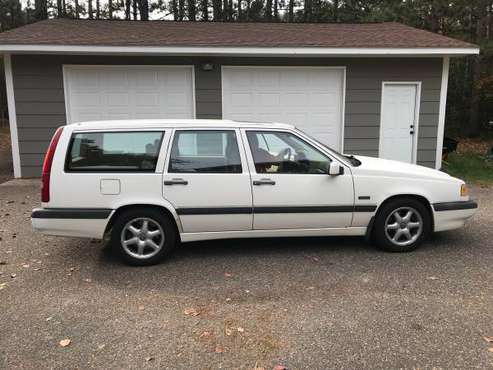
<point x="335" y="169"/>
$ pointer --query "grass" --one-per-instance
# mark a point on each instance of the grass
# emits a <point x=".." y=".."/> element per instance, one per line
<point x="470" y="167"/>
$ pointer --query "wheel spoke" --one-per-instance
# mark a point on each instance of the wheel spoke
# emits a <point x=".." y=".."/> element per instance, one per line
<point x="393" y="226"/>
<point x="140" y="249"/>
<point x="131" y="241"/>
<point x="407" y="234"/>
<point x="133" y="229"/>
<point x="145" y="226"/>
<point x="412" y="225"/>
<point x="151" y="244"/>
<point x="397" y="235"/>
<point x="408" y="216"/>
<point x="397" y="216"/>
<point x="154" y="233"/>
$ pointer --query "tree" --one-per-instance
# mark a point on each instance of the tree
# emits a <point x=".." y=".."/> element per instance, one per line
<point x="40" y="9"/>
<point x="89" y="9"/>
<point x="192" y="13"/>
<point x="205" y="10"/>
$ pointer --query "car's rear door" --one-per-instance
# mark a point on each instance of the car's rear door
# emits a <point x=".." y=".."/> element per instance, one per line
<point x="206" y="178"/>
<point x="291" y="186"/>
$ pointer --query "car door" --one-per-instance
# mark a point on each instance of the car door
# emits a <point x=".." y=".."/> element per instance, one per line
<point x="207" y="180"/>
<point x="291" y="185"/>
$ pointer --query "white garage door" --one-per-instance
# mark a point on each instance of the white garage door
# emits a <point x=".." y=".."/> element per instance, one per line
<point x="126" y="92"/>
<point x="309" y="97"/>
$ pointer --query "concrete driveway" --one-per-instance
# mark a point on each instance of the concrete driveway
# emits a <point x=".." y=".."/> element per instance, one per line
<point x="302" y="303"/>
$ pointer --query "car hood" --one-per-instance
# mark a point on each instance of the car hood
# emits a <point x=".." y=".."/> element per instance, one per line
<point x="385" y="167"/>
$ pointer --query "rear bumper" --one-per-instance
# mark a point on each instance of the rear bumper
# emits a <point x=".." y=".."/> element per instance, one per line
<point x="453" y="215"/>
<point x="76" y="222"/>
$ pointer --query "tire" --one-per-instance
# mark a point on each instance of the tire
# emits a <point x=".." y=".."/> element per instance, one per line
<point x="143" y="248"/>
<point x="397" y="230"/>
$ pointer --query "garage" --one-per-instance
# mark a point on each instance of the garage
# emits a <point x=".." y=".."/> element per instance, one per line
<point x="311" y="98"/>
<point x="126" y="92"/>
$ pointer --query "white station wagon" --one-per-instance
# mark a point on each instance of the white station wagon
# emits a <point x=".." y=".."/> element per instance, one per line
<point x="150" y="184"/>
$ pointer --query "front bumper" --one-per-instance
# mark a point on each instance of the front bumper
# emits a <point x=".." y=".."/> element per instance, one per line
<point x="76" y="222"/>
<point x="453" y="215"/>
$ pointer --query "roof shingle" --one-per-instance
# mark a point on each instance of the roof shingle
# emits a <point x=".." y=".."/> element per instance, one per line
<point x="168" y="33"/>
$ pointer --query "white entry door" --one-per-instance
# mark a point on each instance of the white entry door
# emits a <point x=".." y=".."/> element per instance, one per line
<point x="128" y="92"/>
<point x="399" y="121"/>
<point x="311" y="98"/>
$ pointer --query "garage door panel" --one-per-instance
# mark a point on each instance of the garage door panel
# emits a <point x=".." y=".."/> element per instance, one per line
<point x="126" y="92"/>
<point x="308" y="97"/>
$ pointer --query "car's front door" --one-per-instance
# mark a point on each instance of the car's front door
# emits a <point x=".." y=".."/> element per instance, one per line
<point x="207" y="180"/>
<point x="291" y="185"/>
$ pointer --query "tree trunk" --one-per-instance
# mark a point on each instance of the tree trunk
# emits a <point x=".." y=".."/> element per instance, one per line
<point x="291" y="11"/>
<point x="336" y="11"/>
<point x="40" y="10"/>
<point x="134" y="9"/>
<point x="205" y="10"/>
<point x="128" y="9"/>
<point x="76" y="5"/>
<point x="225" y="10"/>
<point x="231" y="10"/>
<point x="240" y="15"/>
<point x="268" y="11"/>
<point x="174" y="6"/>
<point x="59" y="9"/>
<point x="307" y="11"/>
<point x="276" y="10"/>
<point x="98" y="9"/>
<point x="191" y="10"/>
<point x="181" y="9"/>
<point x="89" y="9"/>
<point x="110" y="9"/>
<point x="143" y="9"/>
<point x="216" y="10"/>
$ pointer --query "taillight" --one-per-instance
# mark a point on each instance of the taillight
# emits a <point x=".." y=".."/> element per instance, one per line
<point x="48" y="161"/>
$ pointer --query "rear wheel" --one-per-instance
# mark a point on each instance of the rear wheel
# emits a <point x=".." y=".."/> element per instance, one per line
<point x="143" y="236"/>
<point x="401" y="225"/>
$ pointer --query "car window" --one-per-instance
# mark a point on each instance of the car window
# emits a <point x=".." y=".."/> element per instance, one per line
<point x="135" y="151"/>
<point x="205" y="151"/>
<point x="285" y="152"/>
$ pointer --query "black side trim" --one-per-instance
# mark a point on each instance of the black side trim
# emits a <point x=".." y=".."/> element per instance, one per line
<point x="72" y="213"/>
<point x="214" y="211"/>
<point x="453" y="206"/>
<point x="259" y="210"/>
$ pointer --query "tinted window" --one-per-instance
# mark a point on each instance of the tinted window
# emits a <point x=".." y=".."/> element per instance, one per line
<point x="283" y="152"/>
<point x="205" y="152"/>
<point x="114" y="151"/>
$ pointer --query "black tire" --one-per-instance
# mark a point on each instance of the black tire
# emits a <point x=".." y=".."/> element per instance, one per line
<point x="382" y="235"/>
<point x="154" y="218"/>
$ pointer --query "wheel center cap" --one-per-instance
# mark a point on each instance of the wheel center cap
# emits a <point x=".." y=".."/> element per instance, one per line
<point x="403" y="225"/>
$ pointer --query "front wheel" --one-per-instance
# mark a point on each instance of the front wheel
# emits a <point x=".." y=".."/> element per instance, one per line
<point x="143" y="236"/>
<point x="401" y="225"/>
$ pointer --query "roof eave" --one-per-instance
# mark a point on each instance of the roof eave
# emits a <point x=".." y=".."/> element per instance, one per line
<point x="235" y="51"/>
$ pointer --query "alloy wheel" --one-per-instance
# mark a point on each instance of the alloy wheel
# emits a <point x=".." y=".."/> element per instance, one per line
<point x="403" y="226"/>
<point x="142" y="238"/>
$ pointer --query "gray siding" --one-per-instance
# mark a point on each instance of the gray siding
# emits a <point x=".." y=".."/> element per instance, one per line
<point x="38" y="89"/>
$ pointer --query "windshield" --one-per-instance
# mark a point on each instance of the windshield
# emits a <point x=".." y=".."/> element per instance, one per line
<point x="348" y="159"/>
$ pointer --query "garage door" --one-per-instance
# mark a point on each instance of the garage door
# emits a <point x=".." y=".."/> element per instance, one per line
<point x="125" y="92"/>
<point x="309" y="97"/>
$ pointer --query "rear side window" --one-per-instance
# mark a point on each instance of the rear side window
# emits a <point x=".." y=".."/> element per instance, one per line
<point x="205" y="151"/>
<point x="114" y="151"/>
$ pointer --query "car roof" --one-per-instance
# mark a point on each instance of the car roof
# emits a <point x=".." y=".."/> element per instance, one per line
<point x="172" y="123"/>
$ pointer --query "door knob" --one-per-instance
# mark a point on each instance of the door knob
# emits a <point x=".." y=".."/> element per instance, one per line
<point x="411" y="132"/>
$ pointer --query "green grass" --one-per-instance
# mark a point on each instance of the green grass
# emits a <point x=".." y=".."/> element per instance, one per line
<point x="470" y="167"/>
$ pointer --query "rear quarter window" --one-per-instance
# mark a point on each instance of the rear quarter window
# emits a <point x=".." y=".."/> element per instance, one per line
<point x="135" y="151"/>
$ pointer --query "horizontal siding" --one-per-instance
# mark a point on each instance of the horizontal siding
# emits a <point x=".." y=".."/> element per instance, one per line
<point x="38" y="86"/>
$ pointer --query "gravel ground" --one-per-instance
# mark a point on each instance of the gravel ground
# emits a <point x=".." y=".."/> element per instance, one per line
<point x="303" y="303"/>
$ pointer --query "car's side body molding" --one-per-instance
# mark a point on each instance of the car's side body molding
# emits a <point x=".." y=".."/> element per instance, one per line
<point x="454" y="206"/>
<point x="300" y="209"/>
<point x="72" y="213"/>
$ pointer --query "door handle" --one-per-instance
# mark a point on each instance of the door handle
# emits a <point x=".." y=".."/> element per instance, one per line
<point x="264" y="182"/>
<point x="176" y="182"/>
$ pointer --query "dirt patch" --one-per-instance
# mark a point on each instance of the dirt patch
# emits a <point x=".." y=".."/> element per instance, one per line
<point x="6" y="172"/>
<point x="477" y="146"/>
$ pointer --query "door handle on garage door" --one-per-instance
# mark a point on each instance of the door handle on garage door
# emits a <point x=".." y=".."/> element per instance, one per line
<point x="176" y="182"/>
<point x="264" y="182"/>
